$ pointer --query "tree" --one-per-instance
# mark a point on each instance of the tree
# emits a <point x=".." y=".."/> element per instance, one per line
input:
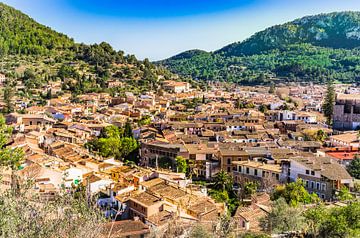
<point x="181" y="164"/>
<point x="127" y="146"/>
<point x="9" y="158"/>
<point x="239" y="104"/>
<point x="315" y="217"/>
<point x="48" y="94"/>
<point x="344" y="194"/>
<point x="219" y="195"/>
<point x="250" y="188"/>
<point x="263" y="108"/>
<point x="294" y="194"/>
<point x="128" y="132"/>
<point x="29" y="74"/>
<point x="145" y="120"/>
<point x="165" y="163"/>
<point x="268" y="183"/>
<point x="272" y="88"/>
<point x="199" y="231"/>
<point x="320" y="136"/>
<point x="68" y="215"/>
<point x="329" y="101"/>
<point x="354" y="167"/>
<point x="283" y="218"/>
<point x="8" y="98"/>
<point x="342" y="222"/>
<point x="225" y="227"/>
<point x="111" y="131"/>
<point x="113" y="143"/>
<point x="223" y="181"/>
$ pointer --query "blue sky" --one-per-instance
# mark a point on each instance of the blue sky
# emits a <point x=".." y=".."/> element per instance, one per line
<point x="158" y="29"/>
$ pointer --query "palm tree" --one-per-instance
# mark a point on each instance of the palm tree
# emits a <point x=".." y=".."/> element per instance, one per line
<point x="223" y="181"/>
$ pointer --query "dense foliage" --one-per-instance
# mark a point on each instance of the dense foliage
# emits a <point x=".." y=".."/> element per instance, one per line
<point x="222" y="191"/>
<point x="114" y="142"/>
<point x="335" y="30"/>
<point x="22" y="35"/>
<point x="9" y="158"/>
<point x="69" y="215"/>
<point x="38" y="55"/>
<point x="317" y="221"/>
<point x="354" y="167"/>
<point x="312" y="49"/>
<point x="294" y="194"/>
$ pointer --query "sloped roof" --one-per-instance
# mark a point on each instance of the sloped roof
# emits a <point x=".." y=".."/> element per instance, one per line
<point x="327" y="167"/>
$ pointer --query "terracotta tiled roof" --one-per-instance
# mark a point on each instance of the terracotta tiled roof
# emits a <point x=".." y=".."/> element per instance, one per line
<point x="125" y="228"/>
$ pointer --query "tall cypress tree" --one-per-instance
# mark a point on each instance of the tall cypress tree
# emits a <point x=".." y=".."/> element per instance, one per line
<point x="329" y="101"/>
<point x="128" y="130"/>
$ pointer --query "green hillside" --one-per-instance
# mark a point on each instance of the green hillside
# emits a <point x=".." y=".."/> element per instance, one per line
<point x="37" y="55"/>
<point x="313" y="48"/>
<point x="334" y="30"/>
<point x="22" y="35"/>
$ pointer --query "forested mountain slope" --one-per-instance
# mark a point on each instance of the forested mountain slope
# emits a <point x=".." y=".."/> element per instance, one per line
<point x="38" y="55"/>
<point x="313" y="48"/>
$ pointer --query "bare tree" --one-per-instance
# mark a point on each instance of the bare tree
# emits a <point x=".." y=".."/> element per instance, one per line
<point x="268" y="183"/>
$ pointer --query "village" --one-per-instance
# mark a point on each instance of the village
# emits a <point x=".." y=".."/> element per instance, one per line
<point x="186" y="139"/>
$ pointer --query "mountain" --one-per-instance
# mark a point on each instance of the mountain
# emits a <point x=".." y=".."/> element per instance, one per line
<point x="310" y="48"/>
<point x="335" y="30"/>
<point x="36" y="54"/>
<point x="20" y="34"/>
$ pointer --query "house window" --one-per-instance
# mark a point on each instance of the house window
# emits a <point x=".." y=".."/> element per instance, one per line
<point x="306" y="183"/>
<point x="255" y="172"/>
<point x="229" y="161"/>
<point x="312" y="184"/>
<point x="322" y="196"/>
<point x="312" y="172"/>
<point x="307" y="171"/>
<point x="263" y="174"/>
<point x="243" y="223"/>
<point x="318" y="186"/>
<point x="240" y="169"/>
<point x="228" y="169"/>
<point x="247" y="170"/>
<point x="277" y="177"/>
<point x="323" y="186"/>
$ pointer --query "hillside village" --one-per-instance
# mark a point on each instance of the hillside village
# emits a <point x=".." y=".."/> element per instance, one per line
<point x="258" y="139"/>
<point x="184" y="140"/>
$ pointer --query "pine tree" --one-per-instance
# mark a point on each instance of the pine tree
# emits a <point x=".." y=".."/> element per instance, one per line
<point x="329" y="101"/>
